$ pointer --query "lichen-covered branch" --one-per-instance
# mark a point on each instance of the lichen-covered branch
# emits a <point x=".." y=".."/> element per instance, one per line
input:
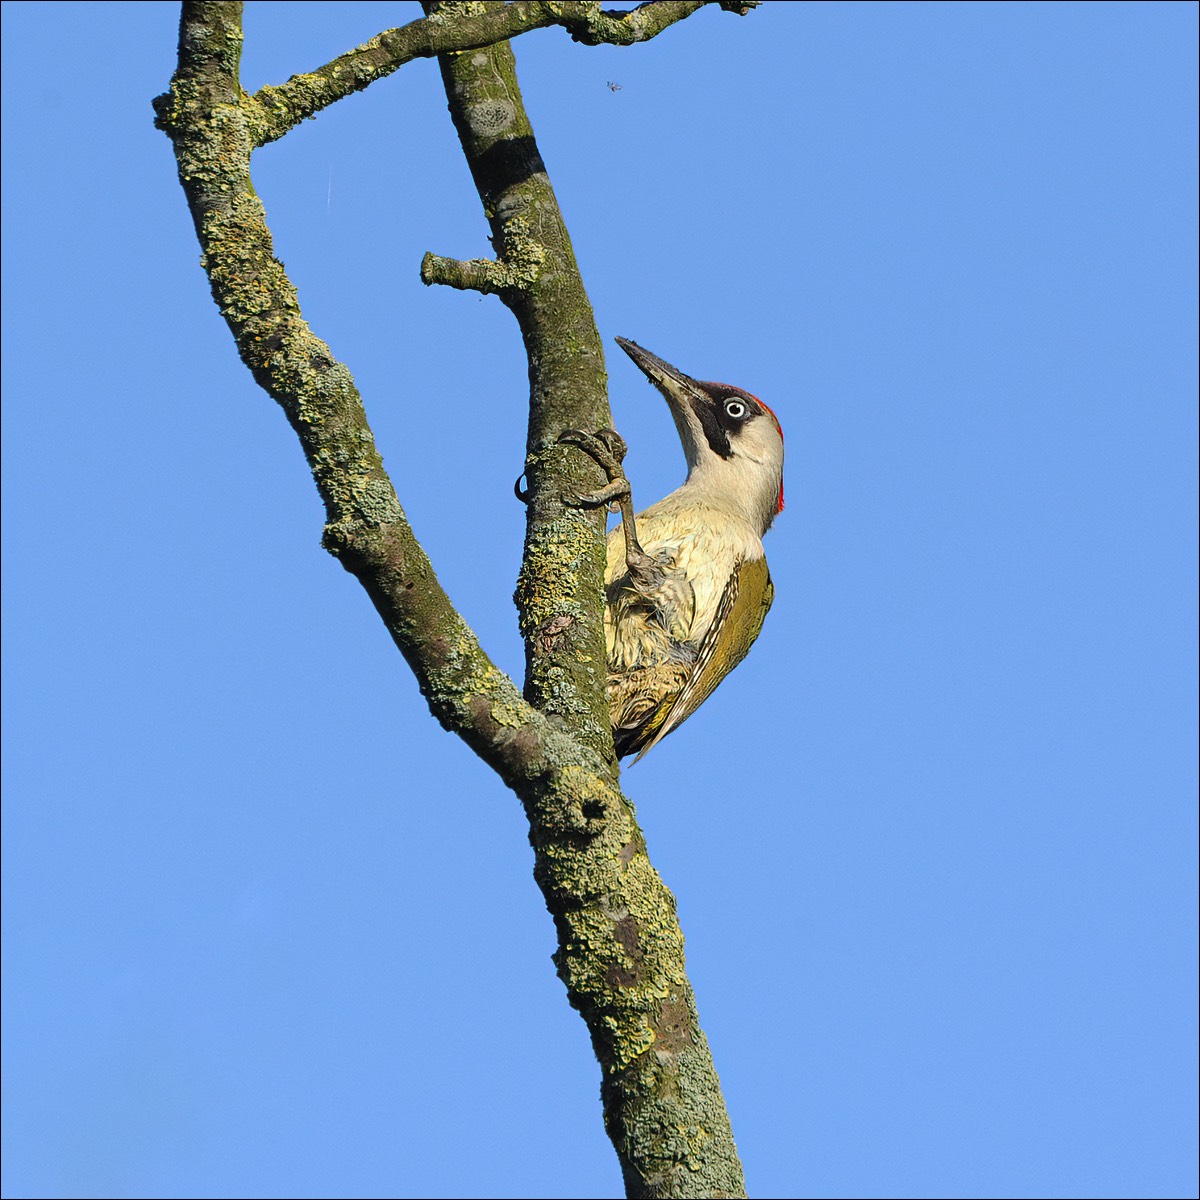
<point x="620" y="947"/>
<point x="366" y="526"/>
<point x="520" y="263"/>
<point x="562" y="575"/>
<point x="276" y="109"/>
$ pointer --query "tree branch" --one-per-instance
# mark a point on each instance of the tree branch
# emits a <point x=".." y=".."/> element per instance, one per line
<point x="519" y="266"/>
<point x="562" y="573"/>
<point x="277" y="109"/>
<point x="366" y="527"/>
<point x="620" y="946"/>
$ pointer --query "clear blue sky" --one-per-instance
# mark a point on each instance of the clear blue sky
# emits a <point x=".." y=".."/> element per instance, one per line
<point x="271" y="932"/>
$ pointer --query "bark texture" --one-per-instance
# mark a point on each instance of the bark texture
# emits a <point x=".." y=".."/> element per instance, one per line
<point x="562" y="575"/>
<point x="620" y="950"/>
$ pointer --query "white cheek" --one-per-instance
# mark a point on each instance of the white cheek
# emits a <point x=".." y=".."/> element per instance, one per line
<point x="753" y="450"/>
<point x="758" y="447"/>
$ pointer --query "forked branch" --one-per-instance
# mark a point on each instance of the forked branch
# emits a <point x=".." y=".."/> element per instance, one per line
<point x="620" y="946"/>
<point x="276" y="109"/>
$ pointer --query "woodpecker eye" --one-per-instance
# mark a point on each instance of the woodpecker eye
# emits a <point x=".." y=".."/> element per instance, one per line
<point x="735" y="409"/>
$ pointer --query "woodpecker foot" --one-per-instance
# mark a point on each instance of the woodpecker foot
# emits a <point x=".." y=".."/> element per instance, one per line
<point x="607" y="447"/>
<point x="645" y="573"/>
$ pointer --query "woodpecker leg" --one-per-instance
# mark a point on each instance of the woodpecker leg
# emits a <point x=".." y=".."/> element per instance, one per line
<point x="608" y="449"/>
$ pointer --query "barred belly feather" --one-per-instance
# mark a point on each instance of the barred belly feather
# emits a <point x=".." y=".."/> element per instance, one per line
<point x="654" y="638"/>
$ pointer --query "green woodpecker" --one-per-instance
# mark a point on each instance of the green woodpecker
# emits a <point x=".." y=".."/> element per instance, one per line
<point x="687" y="586"/>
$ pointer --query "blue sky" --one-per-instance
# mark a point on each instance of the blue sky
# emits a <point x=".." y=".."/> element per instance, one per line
<point x="269" y="931"/>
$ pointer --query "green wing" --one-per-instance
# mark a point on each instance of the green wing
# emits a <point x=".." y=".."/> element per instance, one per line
<point x="739" y="620"/>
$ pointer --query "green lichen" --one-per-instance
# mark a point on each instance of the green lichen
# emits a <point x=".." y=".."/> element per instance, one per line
<point x="507" y="708"/>
<point x="377" y="502"/>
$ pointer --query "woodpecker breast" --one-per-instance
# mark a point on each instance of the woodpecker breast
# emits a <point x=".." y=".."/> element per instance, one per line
<point x="699" y="548"/>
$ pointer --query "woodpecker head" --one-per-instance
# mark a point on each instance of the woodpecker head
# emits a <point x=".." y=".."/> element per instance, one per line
<point x="732" y="440"/>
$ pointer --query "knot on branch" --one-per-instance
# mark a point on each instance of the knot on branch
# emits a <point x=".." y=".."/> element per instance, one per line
<point x="343" y="538"/>
<point x="164" y="111"/>
<point x="589" y="24"/>
<point x="520" y="263"/>
<point x="272" y="111"/>
<point x="362" y="507"/>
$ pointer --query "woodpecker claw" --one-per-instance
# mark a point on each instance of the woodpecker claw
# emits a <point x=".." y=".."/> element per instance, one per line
<point x="610" y="495"/>
<point x="614" y="443"/>
<point x="608" y="449"/>
<point x="606" y="446"/>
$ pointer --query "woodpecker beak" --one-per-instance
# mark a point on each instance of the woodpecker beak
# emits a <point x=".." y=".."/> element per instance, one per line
<point x="673" y="383"/>
<point x="690" y="401"/>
